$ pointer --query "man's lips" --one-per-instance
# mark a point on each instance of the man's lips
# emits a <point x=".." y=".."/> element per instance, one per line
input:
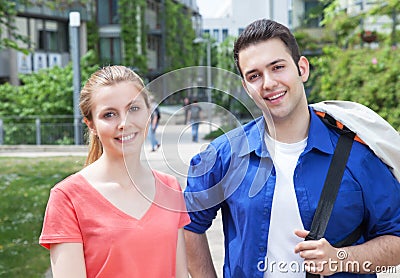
<point x="275" y="96"/>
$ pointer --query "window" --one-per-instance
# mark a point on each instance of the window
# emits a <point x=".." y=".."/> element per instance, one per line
<point x="107" y="12"/>
<point x="216" y="34"/>
<point x="51" y="36"/>
<point x="110" y="51"/>
<point x="48" y="40"/>
<point x="224" y="34"/>
<point x="310" y="8"/>
<point x="152" y="43"/>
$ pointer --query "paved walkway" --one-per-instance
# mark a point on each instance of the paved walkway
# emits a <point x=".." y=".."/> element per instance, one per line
<point x="173" y="157"/>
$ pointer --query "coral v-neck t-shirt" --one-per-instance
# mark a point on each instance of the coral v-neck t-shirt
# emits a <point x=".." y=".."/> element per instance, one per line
<point x="116" y="244"/>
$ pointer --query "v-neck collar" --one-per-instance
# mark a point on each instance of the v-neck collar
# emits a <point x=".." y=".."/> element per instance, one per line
<point x="117" y="210"/>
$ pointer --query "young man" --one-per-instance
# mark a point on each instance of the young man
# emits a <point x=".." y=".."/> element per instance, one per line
<point x="267" y="177"/>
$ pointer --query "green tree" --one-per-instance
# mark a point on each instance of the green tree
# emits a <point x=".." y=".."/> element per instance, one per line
<point x="225" y="54"/>
<point x="9" y="35"/>
<point x="133" y="33"/>
<point x="180" y="49"/>
<point x="390" y="8"/>
<point x="338" y="22"/>
<point x="46" y="92"/>
<point x="370" y="77"/>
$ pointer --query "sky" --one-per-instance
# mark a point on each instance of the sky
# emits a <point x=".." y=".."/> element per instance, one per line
<point x="212" y="8"/>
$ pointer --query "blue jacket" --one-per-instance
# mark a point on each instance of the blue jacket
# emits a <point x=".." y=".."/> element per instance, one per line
<point x="236" y="174"/>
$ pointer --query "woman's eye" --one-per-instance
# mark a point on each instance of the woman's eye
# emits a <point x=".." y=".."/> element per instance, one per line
<point x="133" y="108"/>
<point x="109" y="114"/>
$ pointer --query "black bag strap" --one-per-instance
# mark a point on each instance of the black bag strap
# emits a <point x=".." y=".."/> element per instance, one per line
<point x="351" y="238"/>
<point x="331" y="187"/>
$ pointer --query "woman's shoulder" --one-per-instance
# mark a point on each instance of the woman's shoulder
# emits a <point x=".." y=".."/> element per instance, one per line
<point x="70" y="183"/>
<point x="166" y="179"/>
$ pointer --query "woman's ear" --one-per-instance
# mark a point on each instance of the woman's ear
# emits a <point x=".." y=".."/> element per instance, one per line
<point x="90" y="125"/>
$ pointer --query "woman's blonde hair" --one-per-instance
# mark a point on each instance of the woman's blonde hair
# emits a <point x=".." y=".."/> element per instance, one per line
<point x="106" y="76"/>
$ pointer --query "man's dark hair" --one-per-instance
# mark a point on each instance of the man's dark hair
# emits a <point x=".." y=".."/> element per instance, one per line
<point x="262" y="30"/>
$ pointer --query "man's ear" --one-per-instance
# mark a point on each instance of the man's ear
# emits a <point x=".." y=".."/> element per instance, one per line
<point x="304" y="68"/>
<point x="90" y="125"/>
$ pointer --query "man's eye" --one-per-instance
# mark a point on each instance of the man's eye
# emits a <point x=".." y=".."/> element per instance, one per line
<point x="278" y="67"/>
<point x="253" y="76"/>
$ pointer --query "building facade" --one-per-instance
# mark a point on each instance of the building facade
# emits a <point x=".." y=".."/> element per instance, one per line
<point x="239" y="14"/>
<point x="292" y="13"/>
<point x="48" y="32"/>
<point x="111" y="44"/>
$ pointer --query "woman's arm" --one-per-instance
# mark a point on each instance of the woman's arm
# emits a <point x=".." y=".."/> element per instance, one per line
<point x="181" y="263"/>
<point x="67" y="260"/>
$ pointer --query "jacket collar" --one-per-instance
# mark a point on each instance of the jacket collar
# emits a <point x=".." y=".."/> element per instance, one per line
<point x="318" y="137"/>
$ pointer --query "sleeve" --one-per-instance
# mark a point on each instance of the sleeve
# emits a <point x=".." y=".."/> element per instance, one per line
<point x="204" y="192"/>
<point x="184" y="219"/>
<point x="60" y="222"/>
<point x="172" y="197"/>
<point x="381" y="193"/>
<point x="184" y="216"/>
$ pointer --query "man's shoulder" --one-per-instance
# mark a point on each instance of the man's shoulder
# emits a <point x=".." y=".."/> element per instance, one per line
<point x="239" y="134"/>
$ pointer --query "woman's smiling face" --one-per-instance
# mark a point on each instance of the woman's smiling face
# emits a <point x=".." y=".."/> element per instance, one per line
<point x="120" y="116"/>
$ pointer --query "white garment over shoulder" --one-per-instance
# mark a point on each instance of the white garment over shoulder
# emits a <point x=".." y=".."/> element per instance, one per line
<point x="281" y="261"/>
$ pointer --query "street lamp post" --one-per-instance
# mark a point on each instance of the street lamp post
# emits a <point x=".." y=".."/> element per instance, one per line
<point x="74" y="23"/>
<point x="208" y="42"/>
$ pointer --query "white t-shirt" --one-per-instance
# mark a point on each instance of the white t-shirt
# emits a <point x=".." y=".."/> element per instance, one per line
<point x="281" y="261"/>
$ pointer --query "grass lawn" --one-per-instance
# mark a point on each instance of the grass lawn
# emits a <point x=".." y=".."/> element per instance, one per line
<point x="24" y="189"/>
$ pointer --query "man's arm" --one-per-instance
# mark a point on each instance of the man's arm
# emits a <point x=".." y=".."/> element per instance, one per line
<point x="365" y="258"/>
<point x="380" y="251"/>
<point x="200" y="263"/>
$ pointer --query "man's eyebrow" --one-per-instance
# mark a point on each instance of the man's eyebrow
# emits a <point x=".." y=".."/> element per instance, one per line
<point x="276" y="61"/>
<point x="268" y="65"/>
<point x="249" y="72"/>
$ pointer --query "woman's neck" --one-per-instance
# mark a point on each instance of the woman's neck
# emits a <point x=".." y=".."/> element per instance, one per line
<point x="121" y="170"/>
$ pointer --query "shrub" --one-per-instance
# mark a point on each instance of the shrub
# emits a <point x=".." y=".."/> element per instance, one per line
<point x="370" y="77"/>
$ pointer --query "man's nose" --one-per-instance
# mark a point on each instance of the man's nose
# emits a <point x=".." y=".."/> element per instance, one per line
<point x="269" y="81"/>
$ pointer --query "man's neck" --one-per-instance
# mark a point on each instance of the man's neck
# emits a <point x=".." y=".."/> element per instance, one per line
<point x="290" y="130"/>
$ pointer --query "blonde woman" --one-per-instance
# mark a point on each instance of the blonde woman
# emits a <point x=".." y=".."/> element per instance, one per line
<point x="116" y="217"/>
